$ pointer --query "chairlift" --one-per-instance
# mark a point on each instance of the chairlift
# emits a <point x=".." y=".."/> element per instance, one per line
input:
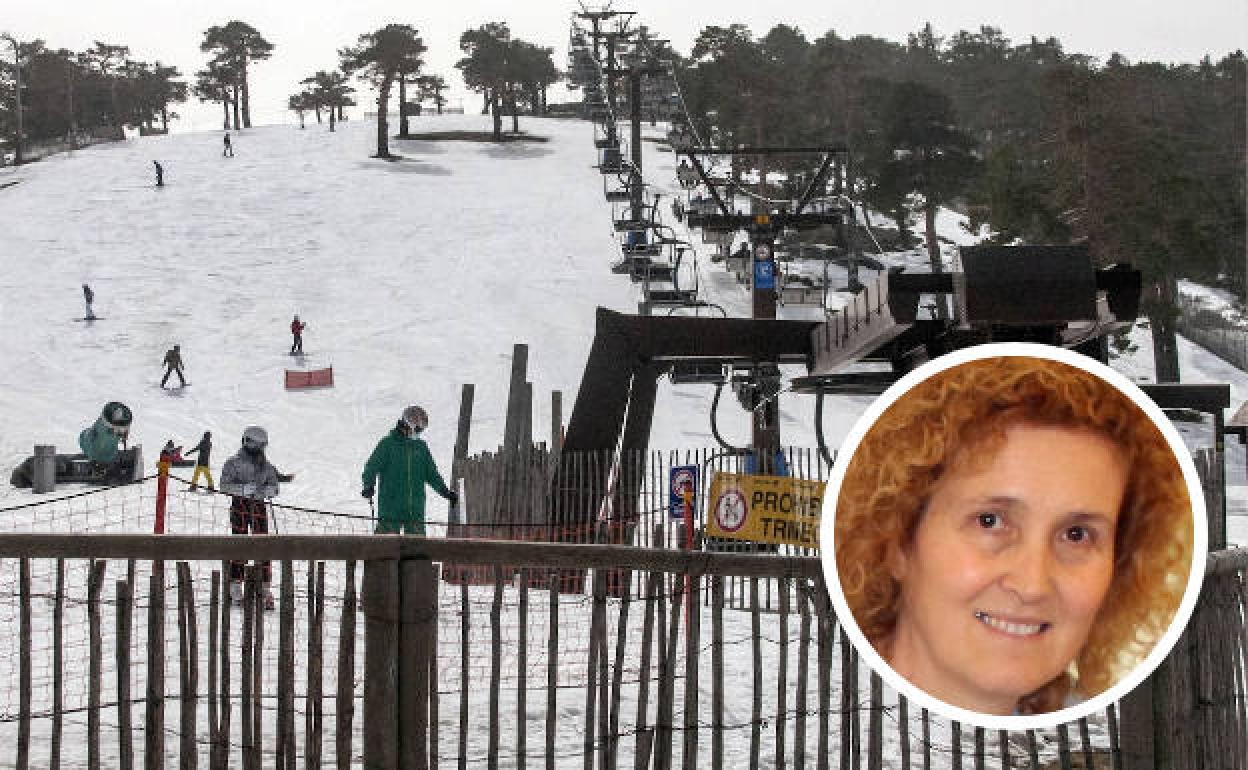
<point x="618" y="194"/>
<point x="613" y="162"/>
<point x="641" y="250"/>
<point x="801" y="291"/>
<point x="632" y="225"/>
<point x="697" y="372"/>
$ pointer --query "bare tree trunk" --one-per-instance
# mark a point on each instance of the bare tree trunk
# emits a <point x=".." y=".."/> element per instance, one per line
<point x="237" y="121"/>
<point x="515" y="111"/>
<point x="246" y="97"/>
<point x="112" y="92"/>
<point x="164" y="118"/>
<point x="383" y="125"/>
<point x="225" y="112"/>
<point x="301" y="125"/>
<point x="318" y="115"/>
<point x="494" y="110"/>
<point x="331" y="117"/>
<point x="402" y="105"/>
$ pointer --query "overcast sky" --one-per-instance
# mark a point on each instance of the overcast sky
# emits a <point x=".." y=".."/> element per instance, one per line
<point x="307" y="34"/>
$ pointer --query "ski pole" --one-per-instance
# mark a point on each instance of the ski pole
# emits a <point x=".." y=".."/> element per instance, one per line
<point x="273" y="517"/>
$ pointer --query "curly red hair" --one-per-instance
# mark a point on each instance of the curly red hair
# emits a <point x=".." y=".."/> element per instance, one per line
<point x="959" y="416"/>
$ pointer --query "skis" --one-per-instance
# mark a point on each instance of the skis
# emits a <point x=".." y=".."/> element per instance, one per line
<point x="92" y="318"/>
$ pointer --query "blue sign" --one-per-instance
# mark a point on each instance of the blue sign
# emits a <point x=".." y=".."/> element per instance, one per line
<point x="682" y="492"/>
<point x="764" y="274"/>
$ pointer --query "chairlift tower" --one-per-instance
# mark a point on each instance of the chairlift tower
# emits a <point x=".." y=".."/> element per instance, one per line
<point x="762" y="229"/>
<point x="635" y="75"/>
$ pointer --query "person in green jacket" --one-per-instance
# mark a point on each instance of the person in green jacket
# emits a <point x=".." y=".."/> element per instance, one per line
<point x="404" y="465"/>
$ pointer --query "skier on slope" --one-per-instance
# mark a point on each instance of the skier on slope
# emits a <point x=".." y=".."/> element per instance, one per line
<point x="251" y="480"/>
<point x="228" y="150"/>
<point x="404" y="465"/>
<point x="89" y="297"/>
<point x="296" y="330"/>
<point x="160" y="173"/>
<point x="173" y="363"/>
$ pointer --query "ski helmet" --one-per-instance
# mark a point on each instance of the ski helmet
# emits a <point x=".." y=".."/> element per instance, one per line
<point x="117" y="416"/>
<point x="415" y="418"/>
<point x="255" y="438"/>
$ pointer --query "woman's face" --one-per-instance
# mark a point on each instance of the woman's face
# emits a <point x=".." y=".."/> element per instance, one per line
<point x="1008" y="567"/>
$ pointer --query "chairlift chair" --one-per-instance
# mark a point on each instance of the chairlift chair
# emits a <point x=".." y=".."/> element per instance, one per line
<point x="613" y="162"/>
<point x="687" y="176"/>
<point x="641" y="250"/>
<point x="696" y="372"/>
<point x="801" y="291"/>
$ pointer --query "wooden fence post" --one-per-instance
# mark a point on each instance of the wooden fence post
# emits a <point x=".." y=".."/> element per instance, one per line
<point x="58" y="667"/>
<point x="95" y="664"/>
<point x="344" y="703"/>
<point x="417" y="616"/>
<point x="125" y="745"/>
<point x="460" y="458"/>
<point x="23" y="664"/>
<point x="154" y="719"/>
<point x="381" y="648"/>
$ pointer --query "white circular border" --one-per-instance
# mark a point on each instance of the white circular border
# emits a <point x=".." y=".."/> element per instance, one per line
<point x="1199" y="539"/>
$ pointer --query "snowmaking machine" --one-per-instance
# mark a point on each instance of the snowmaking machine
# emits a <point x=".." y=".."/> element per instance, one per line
<point x="104" y="458"/>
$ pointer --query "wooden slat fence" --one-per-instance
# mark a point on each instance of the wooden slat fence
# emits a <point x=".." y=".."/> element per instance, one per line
<point x="661" y="686"/>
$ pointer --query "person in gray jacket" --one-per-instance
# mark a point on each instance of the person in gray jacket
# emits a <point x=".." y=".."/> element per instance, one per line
<point x="251" y="480"/>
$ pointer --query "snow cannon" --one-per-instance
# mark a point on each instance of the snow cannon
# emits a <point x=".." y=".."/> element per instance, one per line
<point x="102" y="460"/>
<point x="99" y="442"/>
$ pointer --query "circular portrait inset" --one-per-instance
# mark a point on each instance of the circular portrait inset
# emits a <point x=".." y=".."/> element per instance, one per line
<point x="1017" y="533"/>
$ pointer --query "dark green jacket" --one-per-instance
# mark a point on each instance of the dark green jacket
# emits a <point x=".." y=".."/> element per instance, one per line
<point x="405" y="467"/>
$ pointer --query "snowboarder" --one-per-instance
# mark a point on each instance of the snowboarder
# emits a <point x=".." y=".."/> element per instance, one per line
<point x="251" y="480"/>
<point x="89" y="297"/>
<point x="160" y="173"/>
<point x="203" y="453"/>
<point x="228" y="150"/>
<point x="404" y="465"/>
<point x="173" y="363"/>
<point x="296" y="329"/>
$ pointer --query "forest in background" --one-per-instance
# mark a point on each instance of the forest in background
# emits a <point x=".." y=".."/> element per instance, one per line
<point x="1143" y="161"/>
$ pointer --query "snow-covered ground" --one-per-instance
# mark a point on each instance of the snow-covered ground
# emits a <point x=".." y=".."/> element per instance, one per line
<point x="414" y="277"/>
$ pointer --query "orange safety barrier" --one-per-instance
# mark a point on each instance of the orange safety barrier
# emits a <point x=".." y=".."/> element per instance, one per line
<point x="311" y="378"/>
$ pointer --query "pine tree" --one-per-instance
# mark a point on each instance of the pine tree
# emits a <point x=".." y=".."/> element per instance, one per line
<point x="380" y="58"/>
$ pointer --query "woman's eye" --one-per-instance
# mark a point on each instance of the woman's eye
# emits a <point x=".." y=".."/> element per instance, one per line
<point x="1078" y="534"/>
<point x="990" y="520"/>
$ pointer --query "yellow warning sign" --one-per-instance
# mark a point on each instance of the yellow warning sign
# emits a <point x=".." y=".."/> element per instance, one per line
<point x="765" y="509"/>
